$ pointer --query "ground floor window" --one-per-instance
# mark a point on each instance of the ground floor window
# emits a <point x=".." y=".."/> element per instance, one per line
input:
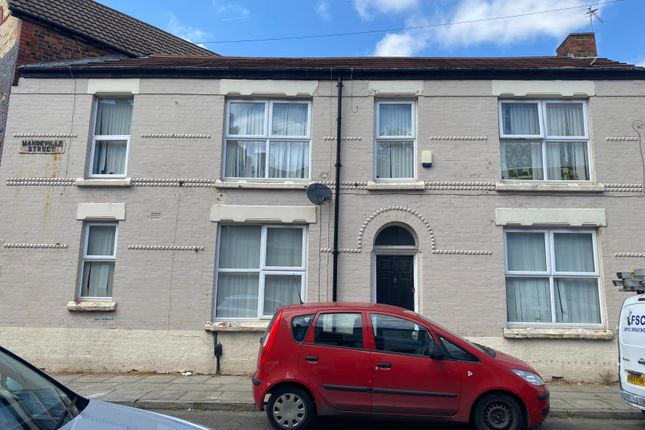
<point x="552" y="277"/>
<point x="99" y="257"/>
<point x="259" y="269"/>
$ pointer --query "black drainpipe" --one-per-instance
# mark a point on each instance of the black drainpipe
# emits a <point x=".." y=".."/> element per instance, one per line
<point x="339" y="122"/>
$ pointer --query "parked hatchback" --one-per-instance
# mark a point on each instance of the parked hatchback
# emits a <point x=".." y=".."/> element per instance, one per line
<point x="32" y="400"/>
<point x="379" y="360"/>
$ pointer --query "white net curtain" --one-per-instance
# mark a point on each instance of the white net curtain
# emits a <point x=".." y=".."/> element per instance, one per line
<point x="241" y="269"/>
<point x="267" y="146"/>
<point x="98" y="276"/>
<point x="395" y="141"/>
<point x="561" y="154"/>
<point x="111" y="133"/>
<point x="574" y="278"/>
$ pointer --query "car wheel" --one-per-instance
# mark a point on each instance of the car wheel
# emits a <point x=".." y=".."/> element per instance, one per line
<point x="290" y="408"/>
<point x="498" y="412"/>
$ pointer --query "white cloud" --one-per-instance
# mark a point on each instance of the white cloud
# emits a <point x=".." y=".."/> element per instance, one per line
<point x="186" y="32"/>
<point x="232" y="11"/>
<point x="406" y="43"/>
<point x="518" y="28"/>
<point x="367" y="9"/>
<point x="322" y="10"/>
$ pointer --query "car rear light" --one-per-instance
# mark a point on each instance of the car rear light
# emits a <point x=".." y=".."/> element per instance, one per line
<point x="269" y="337"/>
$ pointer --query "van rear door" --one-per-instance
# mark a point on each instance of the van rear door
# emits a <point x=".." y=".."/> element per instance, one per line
<point x="631" y="339"/>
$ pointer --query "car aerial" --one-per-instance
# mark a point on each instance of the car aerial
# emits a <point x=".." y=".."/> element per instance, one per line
<point x="379" y="360"/>
<point x="32" y="400"/>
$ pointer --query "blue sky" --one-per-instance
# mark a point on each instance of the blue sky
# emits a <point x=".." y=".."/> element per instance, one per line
<point x="538" y="32"/>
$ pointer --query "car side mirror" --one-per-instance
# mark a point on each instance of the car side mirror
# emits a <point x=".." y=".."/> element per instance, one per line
<point x="435" y="351"/>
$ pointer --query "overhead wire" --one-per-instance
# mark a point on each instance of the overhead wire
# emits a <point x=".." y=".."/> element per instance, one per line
<point x="412" y="27"/>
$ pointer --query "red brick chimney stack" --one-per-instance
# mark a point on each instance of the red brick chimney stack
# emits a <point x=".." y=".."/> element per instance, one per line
<point x="578" y="45"/>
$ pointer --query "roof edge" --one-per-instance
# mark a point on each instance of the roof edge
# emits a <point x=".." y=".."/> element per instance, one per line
<point x="312" y="73"/>
<point x="21" y="13"/>
<point x="18" y="12"/>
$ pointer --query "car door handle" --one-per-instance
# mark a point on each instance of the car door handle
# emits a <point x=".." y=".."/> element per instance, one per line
<point x="641" y="361"/>
<point x="311" y="358"/>
<point x="384" y="365"/>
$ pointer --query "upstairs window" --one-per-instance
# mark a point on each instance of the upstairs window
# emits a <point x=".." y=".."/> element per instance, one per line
<point x="544" y="140"/>
<point x="395" y="140"/>
<point x="267" y="139"/>
<point x="111" y="137"/>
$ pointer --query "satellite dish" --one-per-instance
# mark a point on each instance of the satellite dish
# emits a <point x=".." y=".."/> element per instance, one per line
<point x="318" y="194"/>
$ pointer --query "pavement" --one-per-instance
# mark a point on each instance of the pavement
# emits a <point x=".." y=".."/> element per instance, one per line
<point x="208" y="392"/>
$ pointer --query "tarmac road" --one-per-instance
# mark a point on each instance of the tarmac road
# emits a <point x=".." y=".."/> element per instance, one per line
<point x="225" y="420"/>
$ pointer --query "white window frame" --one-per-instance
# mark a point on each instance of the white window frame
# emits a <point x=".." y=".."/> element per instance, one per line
<point x="104" y="137"/>
<point x="378" y="138"/>
<point x="96" y="258"/>
<point x="264" y="270"/>
<point x="544" y="139"/>
<point x="267" y="136"/>
<point x="551" y="274"/>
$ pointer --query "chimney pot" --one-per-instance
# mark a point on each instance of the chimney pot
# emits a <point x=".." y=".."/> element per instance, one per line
<point x="578" y="45"/>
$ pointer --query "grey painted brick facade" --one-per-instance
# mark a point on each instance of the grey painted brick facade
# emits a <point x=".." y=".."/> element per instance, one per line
<point x="164" y="298"/>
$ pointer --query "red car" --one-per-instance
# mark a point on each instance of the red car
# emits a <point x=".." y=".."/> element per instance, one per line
<point x="379" y="360"/>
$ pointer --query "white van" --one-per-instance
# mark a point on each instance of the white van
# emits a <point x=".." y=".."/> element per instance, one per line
<point x="631" y="351"/>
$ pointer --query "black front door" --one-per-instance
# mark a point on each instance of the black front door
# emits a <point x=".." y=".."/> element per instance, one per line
<point x="395" y="280"/>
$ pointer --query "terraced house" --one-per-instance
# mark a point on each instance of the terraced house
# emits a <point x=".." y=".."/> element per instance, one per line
<point x="38" y="31"/>
<point x="157" y="207"/>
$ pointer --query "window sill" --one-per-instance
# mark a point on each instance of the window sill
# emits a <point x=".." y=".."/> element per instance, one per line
<point x="254" y="326"/>
<point x="95" y="182"/>
<point x="287" y="185"/>
<point x="542" y="187"/>
<point x="558" y="333"/>
<point x="387" y="186"/>
<point x="91" y="306"/>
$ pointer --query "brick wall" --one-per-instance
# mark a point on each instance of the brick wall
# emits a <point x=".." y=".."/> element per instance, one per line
<point x="25" y="42"/>
<point x="578" y="45"/>
<point x="160" y="292"/>
<point x="40" y="44"/>
<point x="9" y="33"/>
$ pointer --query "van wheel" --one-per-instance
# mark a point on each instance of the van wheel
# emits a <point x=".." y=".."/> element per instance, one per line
<point x="290" y="408"/>
<point x="498" y="412"/>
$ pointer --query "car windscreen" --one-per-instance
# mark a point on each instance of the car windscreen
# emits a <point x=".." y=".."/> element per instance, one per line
<point x="30" y="401"/>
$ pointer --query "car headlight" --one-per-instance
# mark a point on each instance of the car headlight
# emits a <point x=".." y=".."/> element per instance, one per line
<point x="530" y="377"/>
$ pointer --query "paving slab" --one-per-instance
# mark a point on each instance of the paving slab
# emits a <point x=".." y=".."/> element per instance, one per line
<point x="66" y="379"/>
<point x="234" y="393"/>
<point x="230" y="380"/>
<point x="241" y="388"/>
<point x="161" y="379"/>
<point x="164" y="395"/>
<point x="195" y="379"/>
<point x="583" y="388"/>
<point x="85" y="386"/>
<point x="193" y="396"/>
<point x="123" y="396"/>
<point x="90" y="378"/>
<point x="235" y="397"/>
<point x="586" y="404"/>
<point x="125" y="378"/>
